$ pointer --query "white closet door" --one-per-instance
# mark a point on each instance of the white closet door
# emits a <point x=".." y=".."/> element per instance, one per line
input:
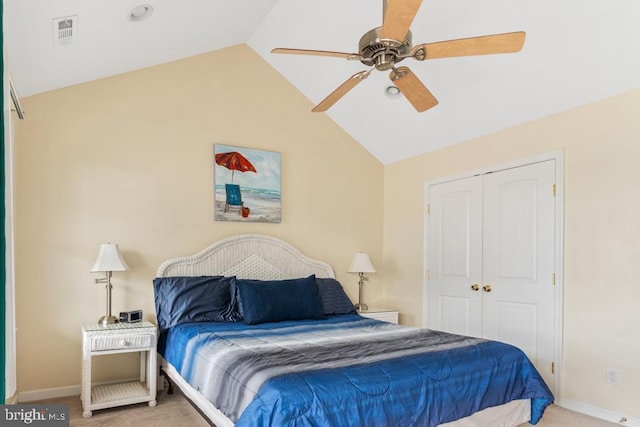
<point x="455" y="256"/>
<point x="496" y="231"/>
<point x="518" y="265"/>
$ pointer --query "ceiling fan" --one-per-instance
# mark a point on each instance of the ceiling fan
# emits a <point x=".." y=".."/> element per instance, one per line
<point x="383" y="47"/>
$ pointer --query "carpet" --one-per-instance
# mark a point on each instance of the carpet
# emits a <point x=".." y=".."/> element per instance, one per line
<point x="171" y="410"/>
<point x="176" y="410"/>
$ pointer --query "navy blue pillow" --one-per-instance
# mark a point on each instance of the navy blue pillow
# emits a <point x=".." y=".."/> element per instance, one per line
<point x="333" y="298"/>
<point x="193" y="299"/>
<point x="263" y="301"/>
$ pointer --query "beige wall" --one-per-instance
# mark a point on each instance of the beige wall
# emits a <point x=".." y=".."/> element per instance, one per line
<point x="129" y="159"/>
<point x="601" y="240"/>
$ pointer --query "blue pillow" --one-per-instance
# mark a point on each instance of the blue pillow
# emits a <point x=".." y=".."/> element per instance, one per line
<point x="263" y="301"/>
<point x="193" y="299"/>
<point x="333" y="298"/>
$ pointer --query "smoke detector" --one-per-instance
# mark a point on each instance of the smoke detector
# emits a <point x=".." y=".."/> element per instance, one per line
<point x="65" y="31"/>
<point x="140" y="13"/>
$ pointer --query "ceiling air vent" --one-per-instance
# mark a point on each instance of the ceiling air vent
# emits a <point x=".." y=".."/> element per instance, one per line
<point x="65" y="31"/>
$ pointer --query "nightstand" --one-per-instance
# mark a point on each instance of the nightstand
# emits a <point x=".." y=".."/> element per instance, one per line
<point x="100" y="340"/>
<point x="384" y="314"/>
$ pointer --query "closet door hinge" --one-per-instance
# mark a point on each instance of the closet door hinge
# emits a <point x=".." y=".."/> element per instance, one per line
<point x="554" y="190"/>
<point x="553" y="279"/>
<point x="428" y="209"/>
<point x="553" y="367"/>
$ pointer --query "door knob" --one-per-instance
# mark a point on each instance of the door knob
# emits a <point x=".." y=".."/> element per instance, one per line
<point x="475" y="287"/>
<point x="486" y="288"/>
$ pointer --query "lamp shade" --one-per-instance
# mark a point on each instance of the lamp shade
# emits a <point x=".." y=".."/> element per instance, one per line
<point x="109" y="259"/>
<point x="361" y="264"/>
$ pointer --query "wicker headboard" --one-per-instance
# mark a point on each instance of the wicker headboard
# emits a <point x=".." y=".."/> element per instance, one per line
<point x="247" y="256"/>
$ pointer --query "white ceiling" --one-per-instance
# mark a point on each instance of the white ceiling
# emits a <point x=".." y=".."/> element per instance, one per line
<point x="576" y="52"/>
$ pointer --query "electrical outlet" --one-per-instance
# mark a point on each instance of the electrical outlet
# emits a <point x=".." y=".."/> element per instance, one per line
<point x="612" y="376"/>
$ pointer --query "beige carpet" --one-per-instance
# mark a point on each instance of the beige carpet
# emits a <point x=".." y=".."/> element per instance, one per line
<point x="555" y="416"/>
<point x="171" y="410"/>
<point x="175" y="410"/>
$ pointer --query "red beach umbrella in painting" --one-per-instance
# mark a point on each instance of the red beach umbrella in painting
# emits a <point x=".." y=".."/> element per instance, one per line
<point x="234" y="161"/>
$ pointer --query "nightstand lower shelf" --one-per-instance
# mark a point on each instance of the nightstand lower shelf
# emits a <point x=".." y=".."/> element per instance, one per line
<point x="127" y="393"/>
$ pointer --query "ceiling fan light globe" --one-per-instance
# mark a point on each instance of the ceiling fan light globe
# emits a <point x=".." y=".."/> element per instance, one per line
<point x="392" y="92"/>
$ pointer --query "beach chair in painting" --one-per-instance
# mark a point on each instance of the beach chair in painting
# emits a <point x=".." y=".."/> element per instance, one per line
<point x="234" y="197"/>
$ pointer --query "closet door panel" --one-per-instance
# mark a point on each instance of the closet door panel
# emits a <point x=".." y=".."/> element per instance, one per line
<point x="518" y="260"/>
<point x="455" y="245"/>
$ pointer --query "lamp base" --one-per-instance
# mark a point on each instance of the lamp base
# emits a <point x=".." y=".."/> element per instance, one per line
<point x="361" y="307"/>
<point x="107" y="320"/>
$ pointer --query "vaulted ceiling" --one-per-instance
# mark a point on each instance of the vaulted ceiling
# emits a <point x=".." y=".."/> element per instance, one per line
<point x="575" y="52"/>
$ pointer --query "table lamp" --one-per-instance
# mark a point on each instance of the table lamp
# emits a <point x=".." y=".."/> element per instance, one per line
<point x="361" y="264"/>
<point x="109" y="259"/>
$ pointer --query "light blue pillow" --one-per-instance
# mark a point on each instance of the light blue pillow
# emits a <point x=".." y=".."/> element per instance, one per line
<point x="263" y="301"/>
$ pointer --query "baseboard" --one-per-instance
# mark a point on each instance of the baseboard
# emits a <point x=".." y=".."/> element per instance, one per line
<point x="48" y="393"/>
<point x="603" y="414"/>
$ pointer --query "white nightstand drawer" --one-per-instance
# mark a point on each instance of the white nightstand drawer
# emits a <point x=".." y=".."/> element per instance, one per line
<point x="119" y="342"/>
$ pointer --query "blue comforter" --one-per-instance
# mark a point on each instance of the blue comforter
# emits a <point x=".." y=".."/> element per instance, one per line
<point x="349" y="371"/>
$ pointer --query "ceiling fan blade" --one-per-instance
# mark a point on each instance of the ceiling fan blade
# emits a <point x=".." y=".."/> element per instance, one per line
<point x="483" y="45"/>
<point x="398" y="17"/>
<point x="341" y="91"/>
<point x="413" y="89"/>
<point x="315" y="53"/>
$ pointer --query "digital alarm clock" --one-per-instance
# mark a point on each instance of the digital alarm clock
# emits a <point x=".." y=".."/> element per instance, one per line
<point x="131" y="316"/>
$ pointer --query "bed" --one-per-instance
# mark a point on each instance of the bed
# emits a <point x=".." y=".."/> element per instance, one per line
<point x="255" y="333"/>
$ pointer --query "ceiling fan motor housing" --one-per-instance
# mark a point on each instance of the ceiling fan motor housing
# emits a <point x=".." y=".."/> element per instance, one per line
<point x="382" y="53"/>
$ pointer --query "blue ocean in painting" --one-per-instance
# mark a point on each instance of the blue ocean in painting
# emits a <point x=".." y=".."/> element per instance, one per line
<point x="261" y="194"/>
<point x="258" y="195"/>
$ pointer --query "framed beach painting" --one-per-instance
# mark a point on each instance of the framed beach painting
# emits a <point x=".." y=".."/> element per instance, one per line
<point x="246" y="184"/>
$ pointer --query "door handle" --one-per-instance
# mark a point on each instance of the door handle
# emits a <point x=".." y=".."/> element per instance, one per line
<point x="475" y="287"/>
<point x="486" y="288"/>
